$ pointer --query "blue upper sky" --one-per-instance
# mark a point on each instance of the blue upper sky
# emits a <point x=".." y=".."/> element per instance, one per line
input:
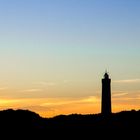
<point x="69" y="39"/>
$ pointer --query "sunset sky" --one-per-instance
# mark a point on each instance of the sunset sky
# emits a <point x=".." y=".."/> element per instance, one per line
<point x="53" y="55"/>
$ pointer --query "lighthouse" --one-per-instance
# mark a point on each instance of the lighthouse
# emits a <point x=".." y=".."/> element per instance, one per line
<point x="106" y="95"/>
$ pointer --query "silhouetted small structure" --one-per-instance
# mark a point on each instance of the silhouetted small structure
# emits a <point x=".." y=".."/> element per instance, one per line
<point x="106" y="95"/>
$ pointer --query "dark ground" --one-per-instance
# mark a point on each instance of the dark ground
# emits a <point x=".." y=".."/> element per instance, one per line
<point x="24" y="124"/>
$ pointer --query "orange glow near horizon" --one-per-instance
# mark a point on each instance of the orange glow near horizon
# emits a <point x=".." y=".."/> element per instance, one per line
<point x="50" y="107"/>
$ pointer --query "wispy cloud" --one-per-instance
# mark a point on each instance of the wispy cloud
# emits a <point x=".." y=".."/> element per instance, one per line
<point x="43" y="83"/>
<point x="3" y="88"/>
<point x="8" y="101"/>
<point x="133" y="94"/>
<point x="120" y="94"/>
<point x="127" y="81"/>
<point x="57" y="102"/>
<point x="31" y="90"/>
<point x="129" y="97"/>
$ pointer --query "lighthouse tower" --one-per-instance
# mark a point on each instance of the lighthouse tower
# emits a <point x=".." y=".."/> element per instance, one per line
<point x="106" y="95"/>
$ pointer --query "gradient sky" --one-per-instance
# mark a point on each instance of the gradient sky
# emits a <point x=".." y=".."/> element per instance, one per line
<point x="53" y="54"/>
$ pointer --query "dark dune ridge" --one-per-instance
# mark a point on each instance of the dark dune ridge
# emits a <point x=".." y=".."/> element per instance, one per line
<point x="25" y="123"/>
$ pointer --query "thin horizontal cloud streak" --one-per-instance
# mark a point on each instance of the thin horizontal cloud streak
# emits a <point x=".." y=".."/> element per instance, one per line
<point x="3" y="88"/>
<point x="128" y="81"/>
<point x="120" y="94"/>
<point x="31" y="90"/>
<point x="126" y="94"/>
<point x="44" y="83"/>
<point x="4" y="102"/>
<point x="57" y="102"/>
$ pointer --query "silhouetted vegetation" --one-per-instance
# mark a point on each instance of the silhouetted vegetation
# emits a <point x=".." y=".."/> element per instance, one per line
<point x="26" y="123"/>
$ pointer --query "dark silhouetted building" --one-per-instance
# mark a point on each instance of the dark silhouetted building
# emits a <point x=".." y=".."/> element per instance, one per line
<point x="106" y="95"/>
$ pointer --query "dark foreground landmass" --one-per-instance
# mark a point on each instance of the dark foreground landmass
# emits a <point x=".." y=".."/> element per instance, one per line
<point x="29" y="125"/>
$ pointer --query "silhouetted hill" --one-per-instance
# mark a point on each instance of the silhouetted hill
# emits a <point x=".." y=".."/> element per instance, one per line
<point x="26" y="123"/>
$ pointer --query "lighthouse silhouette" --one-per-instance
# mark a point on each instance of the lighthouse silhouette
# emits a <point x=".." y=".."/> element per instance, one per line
<point x="106" y="95"/>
